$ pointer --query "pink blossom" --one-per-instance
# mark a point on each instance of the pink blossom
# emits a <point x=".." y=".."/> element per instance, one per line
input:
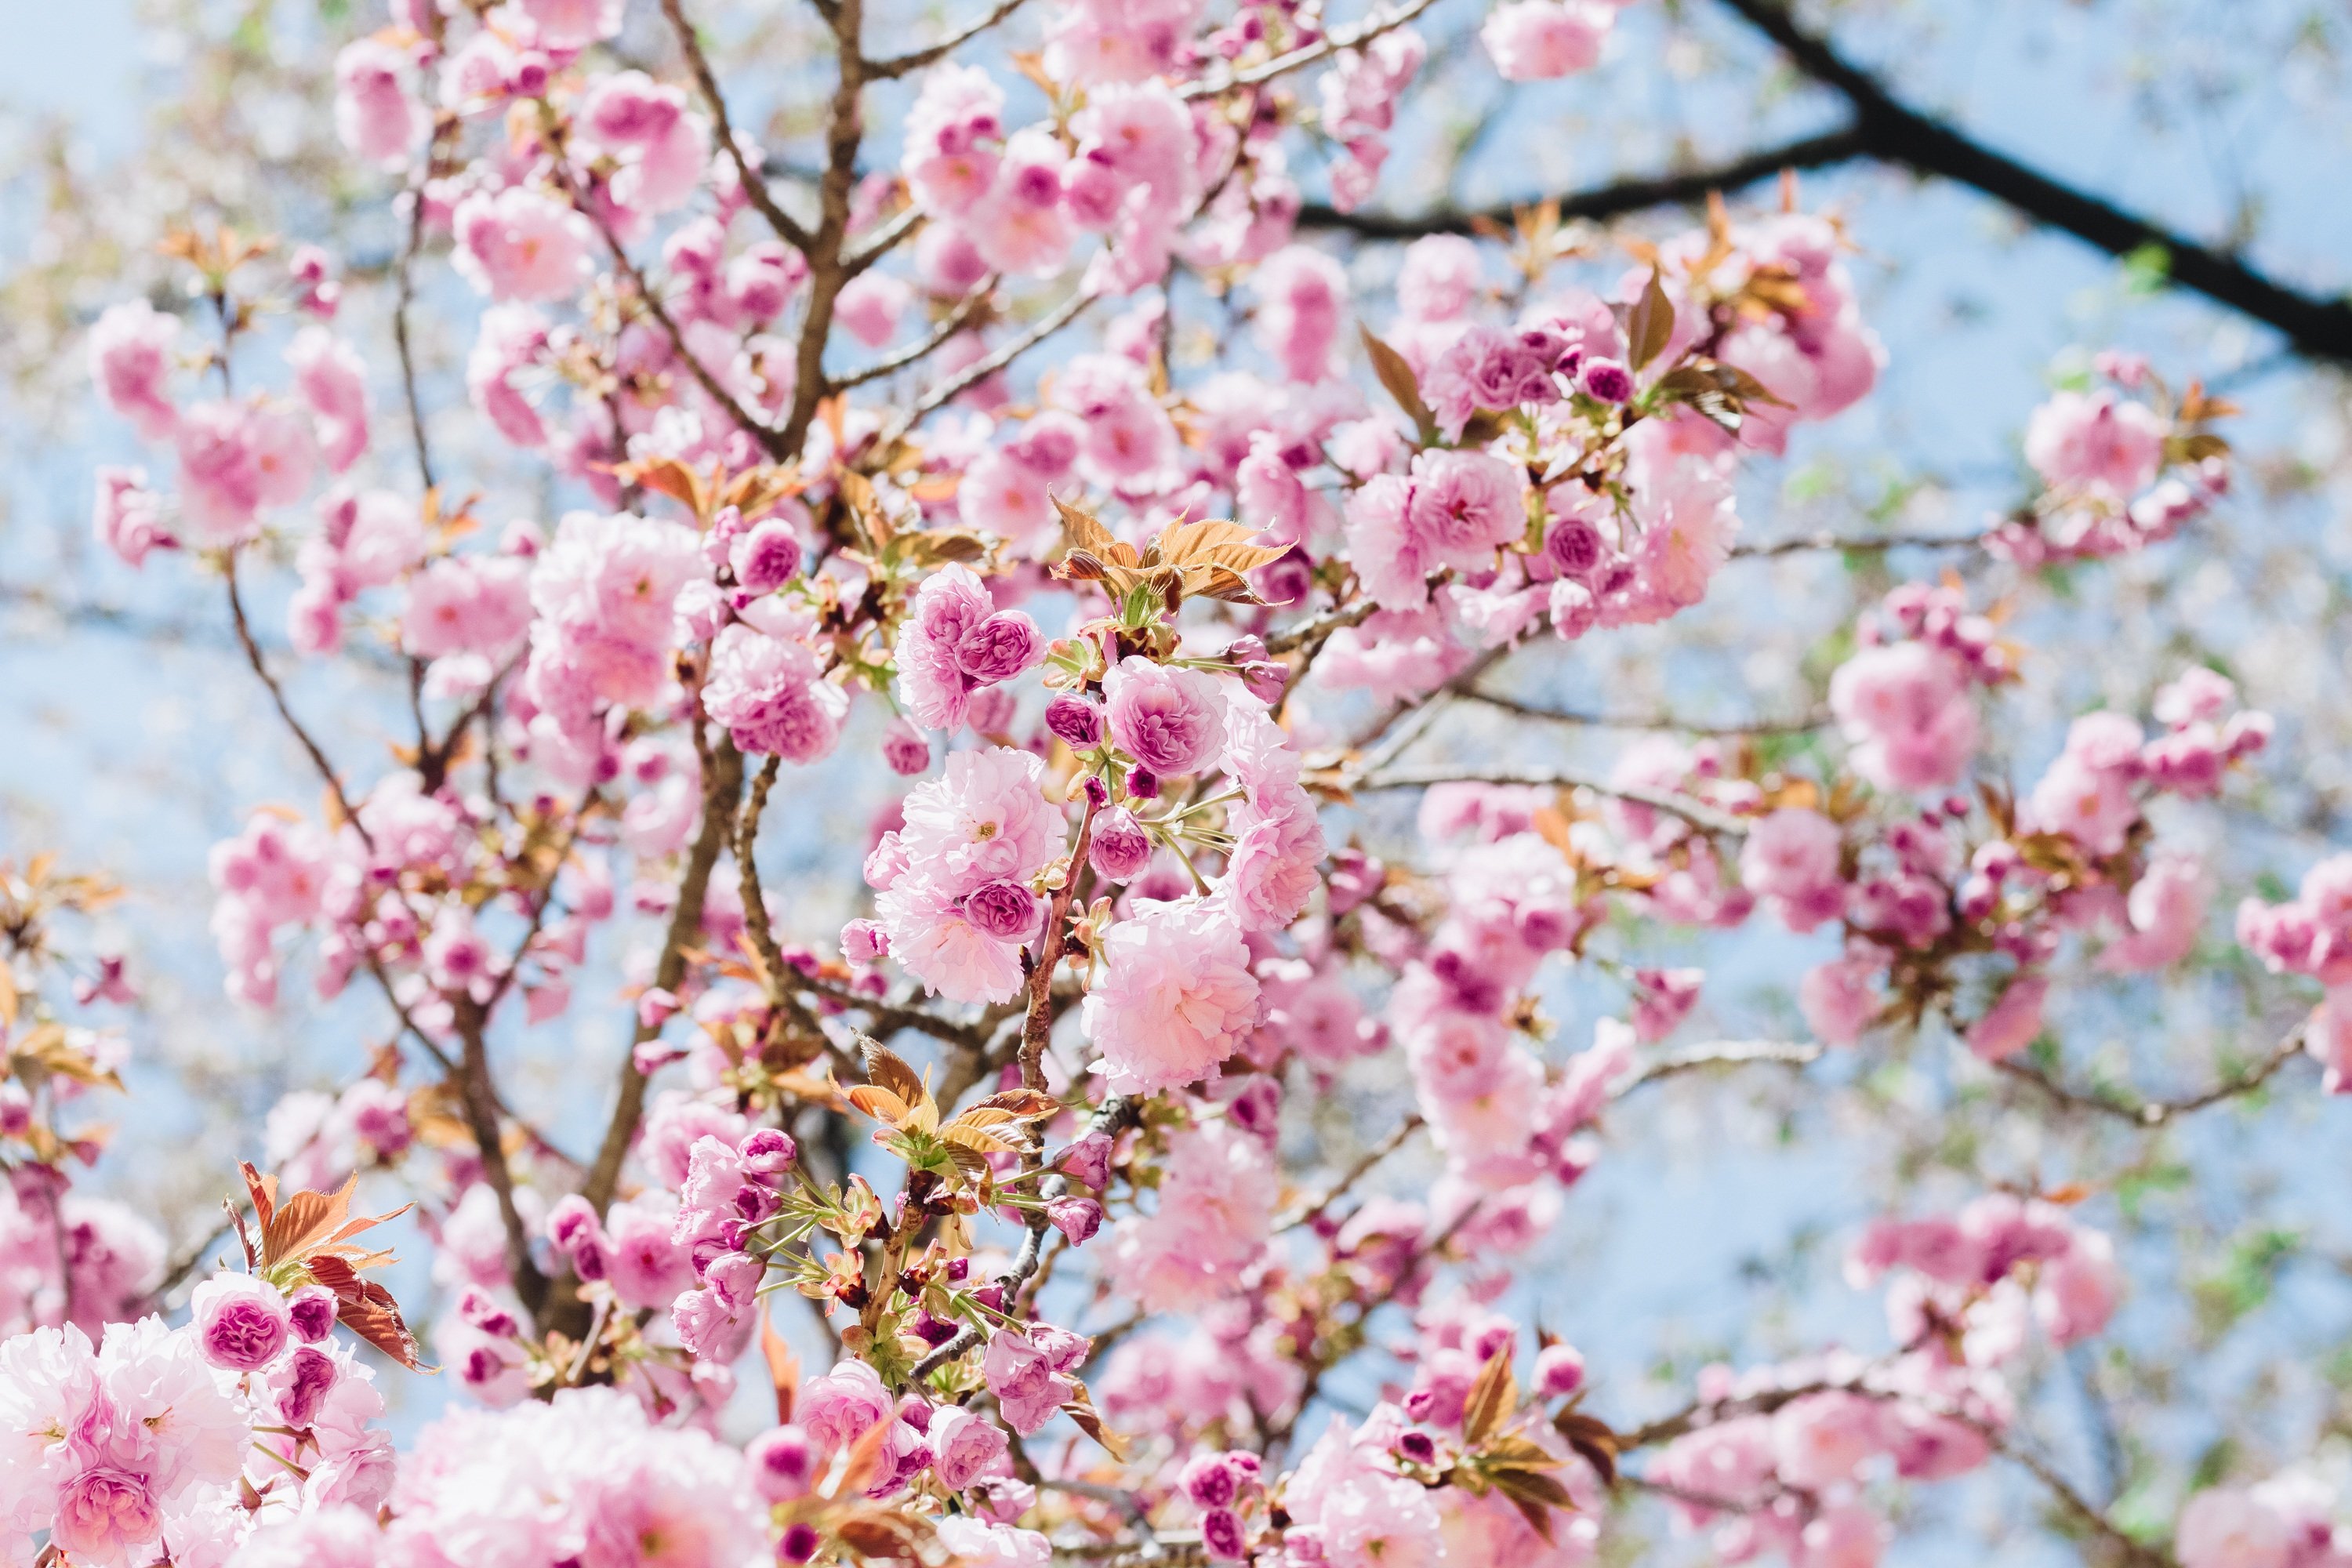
<point x="1175" y="998"/>
<point x="2077" y="1292"/>
<point x="963" y="1445"/>
<point x="129" y="516"/>
<point x="2011" y="1021"/>
<point x="1531" y="40"/>
<point x="2097" y="442"/>
<point x="130" y="350"/>
<point x="1025" y="1379"/>
<point x="521" y="244"/>
<point x="467" y="604"/>
<point x="1301" y="293"/>
<point x="1790" y="860"/>
<point x="511" y="340"/>
<point x="1466" y="505"/>
<point x="241" y="1322"/>
<point x="2228" y="1527"/>
<point x="769" y="693"/>
<point x="1838" y="998"/>
<point x="333" y="381"/>
<point x="574" y="24"/>
<point x="1441" y="277"/>
<point x="1904" y="708"/>
<point x="2167" y="912"/>
<point x="955" y="643"/>
<point x="375" y="114"/>
<point x="985" y="819"/>
<point x="1167" y="718"/>
<point x="944" y="941"/>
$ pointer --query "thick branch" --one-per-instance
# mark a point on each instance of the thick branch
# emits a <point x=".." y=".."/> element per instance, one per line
<point x="722" y="782"/>
<point x="754" y="183"/>
<point x="1897" y="134"/>
<point x="1616" y="199"/>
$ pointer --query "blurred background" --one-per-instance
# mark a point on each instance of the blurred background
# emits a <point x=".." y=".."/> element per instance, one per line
<point x="1715" y="1225"/>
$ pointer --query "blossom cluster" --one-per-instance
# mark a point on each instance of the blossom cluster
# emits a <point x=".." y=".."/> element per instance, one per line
<point x="1101" y="628"/>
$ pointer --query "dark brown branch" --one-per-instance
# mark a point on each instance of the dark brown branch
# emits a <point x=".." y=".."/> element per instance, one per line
<point x="1698" y="814"/>
<point x="1857" y="544"/>
<point x="722" y="782"/>
<point x="1897" y="134"/>
<point x="1651" y="721"/>
<point x="277" y="698"/>
<point x="755" y="183"/>
<point x="1617" y="199"/>
<point x="2149" y="1113"/>
<point x="954" y="321"/>
<point x="916" y="59"/>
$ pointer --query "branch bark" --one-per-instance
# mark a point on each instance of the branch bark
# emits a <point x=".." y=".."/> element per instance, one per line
<point x="1618" y="198"/>
<point x="1894" y="132"/>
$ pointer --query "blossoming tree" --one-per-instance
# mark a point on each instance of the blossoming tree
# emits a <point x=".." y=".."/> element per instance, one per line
<point x="1005" y="443"/>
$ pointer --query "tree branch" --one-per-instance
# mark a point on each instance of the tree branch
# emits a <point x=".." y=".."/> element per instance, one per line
<point x="1600" y="203"/>
<point x="1698" y="814"/>
<point x="916" y="59"/>
<point x="1897" y="134"/>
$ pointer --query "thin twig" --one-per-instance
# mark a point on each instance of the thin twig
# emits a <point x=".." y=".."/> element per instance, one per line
<point x="1331" y="44"/>
<point x="278" y="697"/>
<point x="754" y="183"/>
<point x="916" y="59"/>
<point x="954" y="321"/>
<point x="2153" y="1113"/>
<point x="1696" y="813"/>
<point x="1797" y="726"/>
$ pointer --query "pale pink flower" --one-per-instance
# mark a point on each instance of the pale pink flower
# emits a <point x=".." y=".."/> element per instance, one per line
<point x="770" y="693"/>
<point x="1466" y="505"/>
<point x="130" y="350"/>
<point x="1441" y="277"/>
<point x="1531" y="40"/>
<point x="511" y="339"/>
<point x="1169" y="718"/>
<point x="375" y="114"/>
<point x="2167" y="911"/>
<point x="935" y="936"/>
<point x="2228" y="1527"/>
<point x="1838" y="998"/>
<point x="1790" y="860"/>
<point x="2076" y="1293"/>
<point x="240" y="1322"/>
<point x="574" y="24"/>
<point x="2097" y="442"/>
<point x="963" y="1445"/>
<point x="985" y="819"/>
<point x="519" y="244"/>
<point x="1904" y="709"/>
<point x="129" y="516"/>
<point x="843" y="1404"/>
<point x="332" y="380"/>
<point x="1214" y="1215"/>
<point x="1176" y="996"/>
<point x="2012" y="1022"/>
<point x="1301" y="294"/>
